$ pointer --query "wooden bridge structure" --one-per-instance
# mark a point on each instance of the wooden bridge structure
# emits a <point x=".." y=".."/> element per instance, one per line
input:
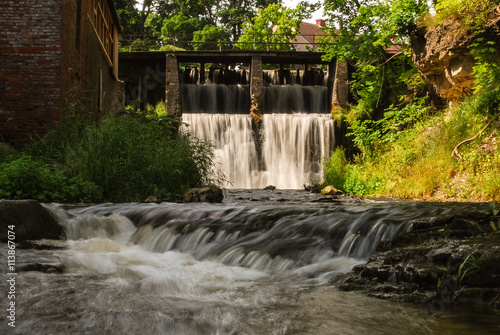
<point x="154" y="75"/>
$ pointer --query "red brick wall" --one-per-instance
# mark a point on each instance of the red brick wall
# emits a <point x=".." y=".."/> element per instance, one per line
<point x="30" y="67"/>
<point x="50" y="60"/>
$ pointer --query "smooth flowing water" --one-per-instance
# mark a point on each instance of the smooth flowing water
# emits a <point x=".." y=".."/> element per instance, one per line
<point x="295" y="135"/>
<point x="288" y="155"/>
<point x="262" y="262"/>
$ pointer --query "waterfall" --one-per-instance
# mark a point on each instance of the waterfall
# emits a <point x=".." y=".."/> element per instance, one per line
<point x="234" y="142"/>
<point x="295" y="98"/>
<point x="293" y="146"/>
<point x="213" y="98"/>
<point x="274" y="237"/>
<point x="286" y="149"/>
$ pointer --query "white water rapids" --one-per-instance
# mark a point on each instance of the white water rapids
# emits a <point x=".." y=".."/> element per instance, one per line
<point x="263" y="262"/>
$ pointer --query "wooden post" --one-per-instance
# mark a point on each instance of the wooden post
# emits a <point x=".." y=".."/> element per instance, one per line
<point x="115" y="51"/>
<point x="331" y="78"/>
<point x="202" y="73"/>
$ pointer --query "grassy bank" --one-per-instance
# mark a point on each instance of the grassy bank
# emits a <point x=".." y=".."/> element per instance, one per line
<point x="119" y="159"/>
<point x="418" y="163"/>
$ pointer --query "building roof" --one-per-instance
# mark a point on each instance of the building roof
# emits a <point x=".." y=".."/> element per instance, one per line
<point x="308" y="36"/>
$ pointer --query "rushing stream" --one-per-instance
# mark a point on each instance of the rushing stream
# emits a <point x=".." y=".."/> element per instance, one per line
<point x="262" y="262"/>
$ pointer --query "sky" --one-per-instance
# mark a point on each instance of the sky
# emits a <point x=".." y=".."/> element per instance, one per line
<point x="317" y="15"/>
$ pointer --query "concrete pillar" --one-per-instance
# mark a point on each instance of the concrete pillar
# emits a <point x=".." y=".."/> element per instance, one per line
<point x="172" y="87"/>
<point x="256" y="88"/>
<point x="331" y="78"/>
<point x="340" y="95"/>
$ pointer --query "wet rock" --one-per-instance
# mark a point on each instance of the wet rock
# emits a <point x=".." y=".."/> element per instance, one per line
<point x="312" y="188"/>
<point x="330" y="190"/>
<point x="474" y="295"/>
<point x="329" y="199"/>
<point x="42" y="244"/>
<point x="151" y="199"/>
<point x="441" y="256"/>
<point x="204" y="194"/>
<point x="29" y="219"/>
<point x="422" y="266"/>
<point x="42" y="267"/>
<point x="487" y="273"/>
<point x="270" y="187"/>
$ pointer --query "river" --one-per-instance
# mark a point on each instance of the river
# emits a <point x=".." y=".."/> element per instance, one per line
<point x="261" y="262"/>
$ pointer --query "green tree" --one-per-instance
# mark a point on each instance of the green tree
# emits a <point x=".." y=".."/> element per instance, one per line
<point x="192" y="16"/>
<point x="137" y="29"/>
<point x="211" y="38"/>
<point x="274" y="27"/>
<point x="362" y="32"/>
<point x="180" y="29"/>
<point x="232" y="14"/>
<point x="129" y="16"/>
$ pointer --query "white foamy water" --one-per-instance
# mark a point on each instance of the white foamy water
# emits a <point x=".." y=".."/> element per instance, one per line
<point x="242" y="267"/>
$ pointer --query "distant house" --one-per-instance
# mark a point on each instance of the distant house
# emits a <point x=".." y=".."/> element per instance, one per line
<point x="309" y="36"/>
<point x="55" y="54"/>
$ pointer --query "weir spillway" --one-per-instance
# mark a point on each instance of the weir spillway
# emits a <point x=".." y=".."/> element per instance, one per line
<point x="151" y="77"/>
<point x="268" y="127"/>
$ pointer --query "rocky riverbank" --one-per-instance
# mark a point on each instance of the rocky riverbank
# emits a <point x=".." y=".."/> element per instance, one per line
<point x="441" y="262"/>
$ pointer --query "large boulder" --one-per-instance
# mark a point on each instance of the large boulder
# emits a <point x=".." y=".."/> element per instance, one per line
<point x="204" y="194"/>
<point x="29" y="220"/>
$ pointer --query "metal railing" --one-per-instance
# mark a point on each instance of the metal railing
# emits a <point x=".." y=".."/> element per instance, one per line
<point x="137" y="42"/>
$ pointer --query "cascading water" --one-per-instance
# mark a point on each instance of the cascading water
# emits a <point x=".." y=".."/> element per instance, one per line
<point x="240" y="267"/>
<point x="295" y="136"/>
<point x="292" y="147"/>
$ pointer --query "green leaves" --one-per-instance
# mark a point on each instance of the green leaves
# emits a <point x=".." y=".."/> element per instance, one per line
<point x="473" y="13"/>
<point x="468" y="266"/>
<point x="494" y="211"/>
<point x="26" y="177"/>
<point x="274" y="27"/>
<point x="211" y="38"/>
<point x="120" y="159"/>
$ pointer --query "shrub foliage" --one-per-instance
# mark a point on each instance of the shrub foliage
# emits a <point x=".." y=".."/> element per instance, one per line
<point x="119" y="159"/>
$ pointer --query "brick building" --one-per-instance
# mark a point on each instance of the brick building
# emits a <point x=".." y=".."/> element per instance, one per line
<point x="54" y="55"/>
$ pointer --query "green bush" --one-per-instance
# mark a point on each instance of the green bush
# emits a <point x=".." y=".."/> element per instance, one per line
<point x="139" y="155"/>
<point x="26" y="177"/>
<point x="345" y="176"/>
<point x="119" y="159"/>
